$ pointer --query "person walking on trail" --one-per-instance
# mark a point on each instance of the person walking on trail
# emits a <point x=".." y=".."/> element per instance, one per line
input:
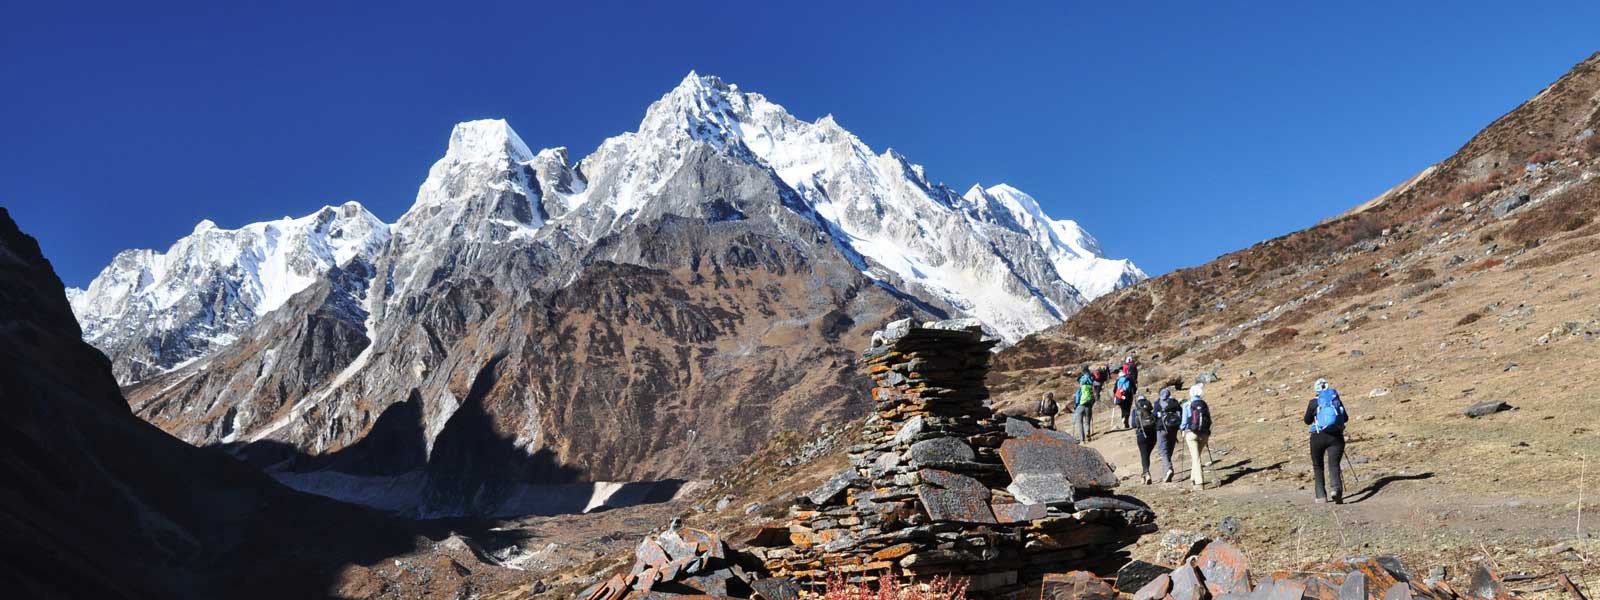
<point x="1196" y="426"/>
<point x="1130" y="368"/>
<point x="1142" y="420"/>
<point x="1169" y="415"/>
<point x="1083" y="414"/>
<point x="1047" y="410"/>
<point x="1098" y="377"/>
<point x="1122" y="394"/>
<point x="1326" y="417"/>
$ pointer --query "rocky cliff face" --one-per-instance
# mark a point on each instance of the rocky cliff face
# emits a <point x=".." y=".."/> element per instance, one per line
<point x="651" y="311"/>
<point x="100" y="504"/>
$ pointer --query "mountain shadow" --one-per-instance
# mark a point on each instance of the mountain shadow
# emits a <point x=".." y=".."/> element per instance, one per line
<point x="472" y="471"/>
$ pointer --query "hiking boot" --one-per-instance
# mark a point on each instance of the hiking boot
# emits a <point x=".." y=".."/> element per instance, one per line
<point x="1338" y="498"/>
<point x="1168" y="477"/>
<point x="1319" y="500"/>
<point x="1147" y="479"/>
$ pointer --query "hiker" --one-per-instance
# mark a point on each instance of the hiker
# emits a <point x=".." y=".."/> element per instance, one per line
<point x="1123" y="395"/>
<point x="1169" y="415"/>
<point x="1143" y="421"/>
<point x="1326" y="416"/>
<point x="1098" y="376"/>
<point x="1047" y="410"/>
<point x="1083" y="414"/>
<point x="1130" y="368"/>
<point x="1196" y="426"/>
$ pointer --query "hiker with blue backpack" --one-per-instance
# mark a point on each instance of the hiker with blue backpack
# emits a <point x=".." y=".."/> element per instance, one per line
<point x="1196" y="427"/>
<point x="1326" y="417"/>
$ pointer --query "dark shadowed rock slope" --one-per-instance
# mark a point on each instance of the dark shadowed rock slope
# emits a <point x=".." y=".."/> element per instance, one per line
<point x="99" y="504"/>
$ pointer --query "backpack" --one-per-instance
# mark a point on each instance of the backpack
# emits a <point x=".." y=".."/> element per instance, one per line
<point x="1145" y="413"/>
<point x="1085" y="395"/>
<point x="1048" y="407"/>
<point x="1199" y="417"/>
<point x="1331" y="415"/>
<point x="1171" y="415"/>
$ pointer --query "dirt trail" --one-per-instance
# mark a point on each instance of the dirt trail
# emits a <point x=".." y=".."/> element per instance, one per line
<point x="1416" y="514"/>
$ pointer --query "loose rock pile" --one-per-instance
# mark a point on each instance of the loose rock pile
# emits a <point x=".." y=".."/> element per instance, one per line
<point x="685" y="562"/>
<point x="943" y="486"/>
<point x="1219" y="571"/>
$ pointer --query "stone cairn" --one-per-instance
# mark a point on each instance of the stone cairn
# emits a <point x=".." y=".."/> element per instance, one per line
<point x="942" y="486"/>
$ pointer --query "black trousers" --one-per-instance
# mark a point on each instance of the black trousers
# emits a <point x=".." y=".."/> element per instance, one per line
<point x="1327" y="449"/>
<point x="1147" y="442"/>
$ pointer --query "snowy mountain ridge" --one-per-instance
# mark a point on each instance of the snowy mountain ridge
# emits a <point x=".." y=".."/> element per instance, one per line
<point x="991" y="253"/>
<point x="165" y="308"/>
<point x="908" y="231"/>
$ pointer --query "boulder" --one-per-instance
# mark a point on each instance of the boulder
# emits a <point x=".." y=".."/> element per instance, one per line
<point x="1138" y="574"/>
<point x="1225" y="568"/>
<point x="1486" y="408"/>
<point x="941" y="451"/>
<point x="1354" y="586"/>
<point x="909" y="431"/>
<point x="1179" y="544"/>
<point x="1186" y="584"/>
<point x="1510" y="203"/>
<point x="1485" y="584"/>
<point x="1076" y="585"/>
<point x="833" y="490"/>
<point x="1156" y="589"/>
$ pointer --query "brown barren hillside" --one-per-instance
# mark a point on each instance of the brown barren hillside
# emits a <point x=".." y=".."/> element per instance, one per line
<point x="1472" y="282"/>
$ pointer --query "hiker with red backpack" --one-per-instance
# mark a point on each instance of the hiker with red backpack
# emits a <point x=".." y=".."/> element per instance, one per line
<point x="1196" y="426"/>
<point x="1122" y="394"/>
<point x="1326" y="417"/>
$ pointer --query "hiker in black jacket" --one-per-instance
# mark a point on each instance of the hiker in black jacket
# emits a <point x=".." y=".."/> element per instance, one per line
<point x="1326" y="417"/>
<point x="1168" y="416"/>
<point x="1142" y="420"/>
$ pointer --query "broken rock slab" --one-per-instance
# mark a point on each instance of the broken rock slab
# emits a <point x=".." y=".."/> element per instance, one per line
<point x="942" y="450"/>
<point x="956" y="498"/>
<point x="833" y="490"/>
<point x="1041" y="454"/>
<point x="1186" y="584"/>
<point x="1225" y="568"/>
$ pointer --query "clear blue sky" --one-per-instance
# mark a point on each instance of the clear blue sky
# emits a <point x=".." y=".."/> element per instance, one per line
<point x="1173" y="132"/>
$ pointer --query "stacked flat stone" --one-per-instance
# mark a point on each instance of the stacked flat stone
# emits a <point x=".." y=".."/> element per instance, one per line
<point x="941" y="485"/>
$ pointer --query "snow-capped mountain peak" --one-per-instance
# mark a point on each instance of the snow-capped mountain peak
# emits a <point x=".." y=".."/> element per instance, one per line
<point x="168" y="307"/>
<point x="487" y="139"/>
